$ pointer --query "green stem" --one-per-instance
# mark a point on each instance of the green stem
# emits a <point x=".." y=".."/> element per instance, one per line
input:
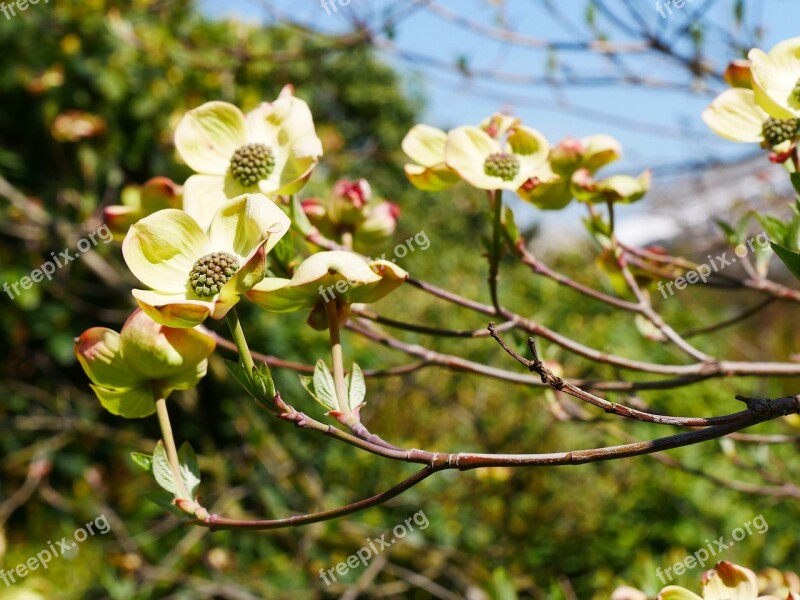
<point x="241" y="342"/>
<point x="169" y="446"/>
<point x="337" y="361"/>
<point x="496" y="199"/>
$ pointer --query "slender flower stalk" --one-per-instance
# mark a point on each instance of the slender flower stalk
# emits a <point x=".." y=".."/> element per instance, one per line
<point x="169" y="446"/>
<point x="496" y="202"/>
<point x="337" y="362"/>
<point x="241" y="342"/>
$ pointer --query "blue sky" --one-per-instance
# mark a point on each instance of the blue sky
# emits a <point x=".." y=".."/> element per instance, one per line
<point x="660" y="128"/>
<point x="665" y="126"/>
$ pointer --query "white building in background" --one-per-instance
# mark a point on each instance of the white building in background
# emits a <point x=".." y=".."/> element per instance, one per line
<point x="682" y="206"/>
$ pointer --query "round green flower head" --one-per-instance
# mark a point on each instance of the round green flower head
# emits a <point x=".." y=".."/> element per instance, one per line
<point x="251" y="163"/>
<point x="502" y="165"/>
<point x="796" y="91"/>
<point x="777" y="131"/>
<point x="211" y="272"/>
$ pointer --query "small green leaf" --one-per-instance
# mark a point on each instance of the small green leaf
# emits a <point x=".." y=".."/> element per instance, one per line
<point x="796" y="181"/>
<point x="261" y="387"/>
<point x="741" y="227"/>
<point x="162" y="472"/>
<point x="789" y="258"/>
<point x="763" y="256"/>
<point x="356" y="387"/>
<point x="510" y="227"/>
<point x="282" y="256"/>
<point x="299" y="218"/>
<point x="324" y="388"/>
<point x="145" y="461"/>
<point x="190" y="469"/>
<point x="264" y="385"/>
<point x="775" y="228"/>
<point x="240" y="375"/>
<point x="728" y="232"/>
<point x="164" y="500"/>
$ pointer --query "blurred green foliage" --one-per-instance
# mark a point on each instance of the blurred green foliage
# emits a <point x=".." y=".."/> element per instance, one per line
<point x="126" y="71"/>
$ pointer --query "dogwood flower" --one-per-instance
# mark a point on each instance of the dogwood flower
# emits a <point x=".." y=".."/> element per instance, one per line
<point x="737" y="116"/>
<point x="272" y="150"/>
<point x="130" y="370"/>
<point x="616" y="188"/>
<point x="776" y="78"/>
<point x="553" y="192"/>
<point x="425" y="145"/>
<point x="725" y="582"/>
<point x="488" y="164"/>
<point x="194" y="274"/>
<point x="335" y="276"/>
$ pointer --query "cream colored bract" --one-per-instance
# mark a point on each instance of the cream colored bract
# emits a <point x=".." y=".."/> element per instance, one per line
<point x="162" y="250"/>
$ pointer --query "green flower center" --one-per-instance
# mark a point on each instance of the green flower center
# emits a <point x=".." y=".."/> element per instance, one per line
<point x="252" y="163"/>
<point x="502" y="165"/>
<point x="777" y="131"/>
<point x="211" y="272"/>
<point x="796" y="91"/>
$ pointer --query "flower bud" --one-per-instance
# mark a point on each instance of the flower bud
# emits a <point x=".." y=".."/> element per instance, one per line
<point x="379" y="225"/>
<point x="348" y="201"/>
<point x="566" y="156"/>
<point x="738" y="74"/>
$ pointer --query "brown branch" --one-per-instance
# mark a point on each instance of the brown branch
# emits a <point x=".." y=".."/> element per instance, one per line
<point x="559" y="385"/>
<point x="216" y="522"/>
<point x="745" y="314"/>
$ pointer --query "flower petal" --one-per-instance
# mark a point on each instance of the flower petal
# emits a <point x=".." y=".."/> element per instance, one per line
<point x="550" y="195"/>
<point x="529" y="145"/>
<point x="173" y="310"/>
<point x="327" y="275"/>
<point x="775" y="75"/>
<point x="161" y="249"/>
<point x="296" y="171"/>
<point x="391" y="277"/>
<point x="431" y="179"/>
<point x="734" y="115"/>
<point x="673" y="592"/>
<point x="466" y="152"/>
<point x="98" y="351"/>
<point x="286" y="122"/>
<point x="499" y="124"/>
<point x="133" y="403"/>
<point x="241" y="224"/>
<point x="425" y="145"/>
<point x="276" y="295"/>
<point x="729" y="582"/>
<point x="158" y="352"/>
<point x="189" y="378"/>
<point x="208" y="135"/>
<point x="205" y="194"/>
<point x="599" y="151"/>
